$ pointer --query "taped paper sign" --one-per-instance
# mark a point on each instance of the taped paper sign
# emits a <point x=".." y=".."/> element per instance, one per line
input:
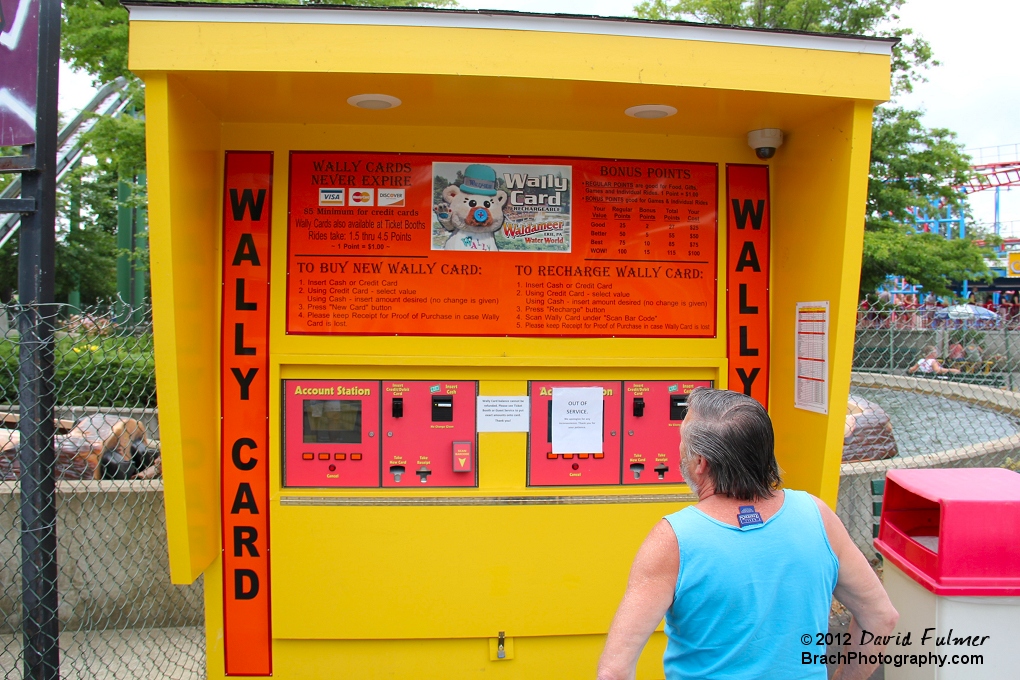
<point x="577" y="420"/>
<point x="503" y="414"/>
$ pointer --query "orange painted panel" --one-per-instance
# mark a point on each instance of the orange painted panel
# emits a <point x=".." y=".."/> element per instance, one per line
<point x="244" y="397"/>
<point x="413" y="244"/>
<point x="747" y="285"/>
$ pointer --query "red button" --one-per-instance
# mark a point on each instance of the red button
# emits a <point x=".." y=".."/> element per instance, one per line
<point x="355" y="456"/>
<point x="551" y="455"/>
<point x="323" y="456"/>
<point x="340" y="456"/>
<point x="568" y="455"/>
<point x="600" y="455"/>
<point x="582" y="455"/>
<point x="308" y="456"/>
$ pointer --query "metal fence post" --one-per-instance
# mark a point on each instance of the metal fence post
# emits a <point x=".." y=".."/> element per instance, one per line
<point x="1009" y="362"/>
<point x="892" y="345"/>
<point x="35" y="393"/>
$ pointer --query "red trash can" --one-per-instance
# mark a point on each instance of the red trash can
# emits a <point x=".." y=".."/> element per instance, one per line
<point x="951" y="543"/>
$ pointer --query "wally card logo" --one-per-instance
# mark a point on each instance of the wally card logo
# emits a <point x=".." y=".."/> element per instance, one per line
<point x="362" y="196"/>
<point x="673" y="388"/>
<point x="331" y="196"/>
<point x="391" y="197"/>
<point x="434" y="389"/>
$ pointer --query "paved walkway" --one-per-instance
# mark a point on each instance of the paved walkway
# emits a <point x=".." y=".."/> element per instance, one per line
<point x="175" y="653"/>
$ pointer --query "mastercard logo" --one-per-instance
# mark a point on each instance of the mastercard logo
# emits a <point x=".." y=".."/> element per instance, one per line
<point x="362" y="196"/>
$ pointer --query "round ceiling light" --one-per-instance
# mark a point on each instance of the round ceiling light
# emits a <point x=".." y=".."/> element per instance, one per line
<point x="651" y="111"/>
<point x="373" y="102"/>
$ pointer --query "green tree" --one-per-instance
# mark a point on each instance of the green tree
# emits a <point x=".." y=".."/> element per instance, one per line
<point x="914" y="169"/>
<point x="94" y="33"/>
<point x="94" y="39"/>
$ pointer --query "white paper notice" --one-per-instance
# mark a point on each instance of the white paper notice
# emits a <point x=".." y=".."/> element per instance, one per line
<point x="577" y="420"/>
<point x="503" y="414"/>
<point x="811" y="391"/>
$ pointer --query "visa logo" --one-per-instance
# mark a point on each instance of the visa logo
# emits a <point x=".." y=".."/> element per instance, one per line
<point x="331" y="196"/>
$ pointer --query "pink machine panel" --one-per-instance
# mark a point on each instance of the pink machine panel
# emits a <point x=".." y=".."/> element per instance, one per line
<point x="428" y="434"/>
<point x="581" y="469"/>
<point x="331" y="435"/>
<point x="652" y="413"/>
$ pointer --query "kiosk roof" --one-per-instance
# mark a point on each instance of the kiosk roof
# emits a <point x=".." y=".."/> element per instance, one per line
<point x="504" y="20"/>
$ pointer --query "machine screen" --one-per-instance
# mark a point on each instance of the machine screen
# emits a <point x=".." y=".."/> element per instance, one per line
<point x="332" y="421"/>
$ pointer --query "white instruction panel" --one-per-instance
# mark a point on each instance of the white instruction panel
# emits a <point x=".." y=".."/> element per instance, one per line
<point x="576" y="420"/>
<point x="811" y="391"/>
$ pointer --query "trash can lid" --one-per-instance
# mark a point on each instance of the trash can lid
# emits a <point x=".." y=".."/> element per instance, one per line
<point x="954" y="530"/>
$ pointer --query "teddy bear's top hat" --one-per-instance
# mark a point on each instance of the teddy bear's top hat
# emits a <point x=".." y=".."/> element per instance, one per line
<point x="479" y="179"/>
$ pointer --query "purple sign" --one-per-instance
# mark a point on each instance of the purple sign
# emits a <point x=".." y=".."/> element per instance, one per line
<point x="19" y="50"/>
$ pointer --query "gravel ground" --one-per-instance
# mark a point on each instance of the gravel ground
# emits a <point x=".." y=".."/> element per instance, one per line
<point x="174" y="653"/>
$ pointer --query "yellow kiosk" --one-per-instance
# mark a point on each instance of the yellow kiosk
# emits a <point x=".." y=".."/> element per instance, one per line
<point x="432" y="287"/>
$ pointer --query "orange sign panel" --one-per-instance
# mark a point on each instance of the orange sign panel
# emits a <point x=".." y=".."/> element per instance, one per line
<point x="417" y="244"/>
<point x="747" y="267"/>
<point x="244" y="380"/>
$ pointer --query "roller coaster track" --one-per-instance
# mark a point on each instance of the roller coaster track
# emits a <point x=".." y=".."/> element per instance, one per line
<point x="992" y="175"/>
<point x="111" y="100"/>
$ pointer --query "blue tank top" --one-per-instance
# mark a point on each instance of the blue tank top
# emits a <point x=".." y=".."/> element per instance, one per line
<point x="744" y="597"/>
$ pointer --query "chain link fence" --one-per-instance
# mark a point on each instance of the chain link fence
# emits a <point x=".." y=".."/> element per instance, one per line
<point x="932" y="387"/>
<point x="120" y="617"/>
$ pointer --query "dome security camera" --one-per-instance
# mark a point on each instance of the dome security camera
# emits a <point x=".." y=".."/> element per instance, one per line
<point x="765" y="142"/>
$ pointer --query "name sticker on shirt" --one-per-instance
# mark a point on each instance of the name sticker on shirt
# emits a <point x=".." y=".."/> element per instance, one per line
<point x="748" y="517"/>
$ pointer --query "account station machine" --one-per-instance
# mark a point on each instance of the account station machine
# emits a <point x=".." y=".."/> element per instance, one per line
<point x="432" y="290"/>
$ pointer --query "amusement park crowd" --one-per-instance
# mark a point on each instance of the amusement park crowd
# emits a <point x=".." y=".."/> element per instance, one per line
<point x="917" y="311"/>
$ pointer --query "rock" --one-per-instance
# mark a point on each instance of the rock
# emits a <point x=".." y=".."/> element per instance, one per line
<point x="868" y="433"/>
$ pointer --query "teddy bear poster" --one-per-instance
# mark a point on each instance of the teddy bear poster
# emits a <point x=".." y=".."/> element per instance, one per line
<point x="501" y="207"/>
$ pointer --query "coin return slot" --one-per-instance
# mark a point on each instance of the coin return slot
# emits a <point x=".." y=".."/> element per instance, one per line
<point x="442" y="409"/>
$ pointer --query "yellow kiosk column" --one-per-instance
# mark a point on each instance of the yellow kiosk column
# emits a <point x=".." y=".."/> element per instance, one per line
<point x="431" y="289"/>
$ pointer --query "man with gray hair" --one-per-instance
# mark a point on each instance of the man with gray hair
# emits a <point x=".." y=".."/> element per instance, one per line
<point x="745" y="577"/>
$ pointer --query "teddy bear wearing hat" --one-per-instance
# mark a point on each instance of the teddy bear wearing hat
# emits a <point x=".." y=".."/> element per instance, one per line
<point x="473" y="211"/>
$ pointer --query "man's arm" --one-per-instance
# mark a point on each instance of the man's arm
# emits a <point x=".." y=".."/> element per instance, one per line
<point x="860" y="591"/>
<point x="649" y="594"/>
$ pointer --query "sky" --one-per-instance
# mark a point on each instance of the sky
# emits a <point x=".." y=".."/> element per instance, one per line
<point x="974" y="91"/>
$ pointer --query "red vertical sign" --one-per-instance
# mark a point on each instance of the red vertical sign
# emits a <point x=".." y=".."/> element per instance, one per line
<point x="244" y="380"/>
<point x="747" y="284"/>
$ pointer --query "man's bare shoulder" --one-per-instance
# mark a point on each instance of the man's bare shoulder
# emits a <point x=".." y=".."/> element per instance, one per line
<point x="659" y="555"/>
<point x="834" y="529"/>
